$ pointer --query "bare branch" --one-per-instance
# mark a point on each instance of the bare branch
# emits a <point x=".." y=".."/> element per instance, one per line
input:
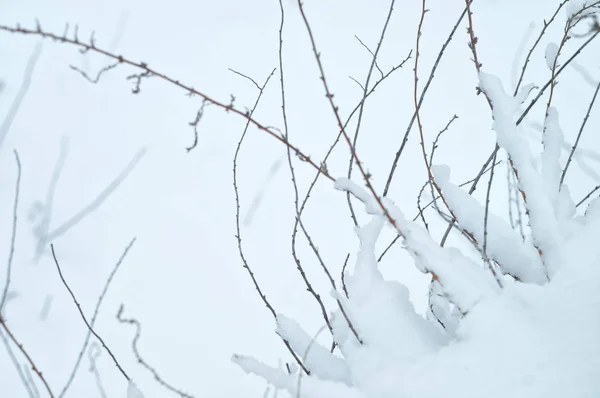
<point x="83" y="316"/>
<point x="13" y="234"/>
<point x="363" y="102"/>
<point x="585" y="119"/>
<point x="526" y="63"/>
<point x="238" y="235"/>
<point x="22" y="349"/>
<point x="149" y="72"/>
<point x="94" y="317"/>
<point x="588" y="196"/>
<point x="421" y="98"/>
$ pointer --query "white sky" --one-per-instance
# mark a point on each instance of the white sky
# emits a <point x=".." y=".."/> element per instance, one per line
<point x="183" y="279"/>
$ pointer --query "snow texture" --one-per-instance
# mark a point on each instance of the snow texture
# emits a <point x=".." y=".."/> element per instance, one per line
<point x="482" y="336"/>
<point x="544" y="224"/>
<point x="504" y="245"/>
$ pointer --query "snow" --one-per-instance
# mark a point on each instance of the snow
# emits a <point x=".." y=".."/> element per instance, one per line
<point x="504" y="245"/>
<point x="481" y="337"/>
<point x="553" y="140"/>
<point x="463" y="280"/>
<point x="133" y="391"/>
<point x="316" y="357"/>
<point x="545" y="228"/>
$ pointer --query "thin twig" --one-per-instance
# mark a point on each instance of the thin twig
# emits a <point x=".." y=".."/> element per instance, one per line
<point x="585" y="119"/>
<point x="30" y="381"/>
<point x="571" y="22"/>
<point x="101" y="72"/>
<point x="149" y="72"/>
<point x="472" y="37"/>
<point x="486" y="259"/>
<point x="421" y="98"/>
<point x="238" y="235"/>
<point x="140" y="360"/>
<point x="95" y="315"/>
<point x="247" y="77"/>
<point x="298" y="221"/>
<point x="22" y="349"/>
<point x="329" y="95"/>
<point x="339" y="135"/>
<point x="13" y="234"/>
<point x="343" y="277"/>
<point x="472" y="189"/>
<point x="83" y="315"/>
<point x="588" y="196"/>
<point x="543" y="89"/>
<point x="526" y="63"/>
<point x="363" y="102"/>
<point x="17" y="365"/>
<point x="418" y="113"/>
<point x="370" y="52"/>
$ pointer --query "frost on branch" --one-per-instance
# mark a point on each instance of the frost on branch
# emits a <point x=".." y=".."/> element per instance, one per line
<point x="463" y="281"/>
<point x="478" y="339"/>
<point x="514" y="342"/>
<point x="504" y="245"/>
<point x="316" y="358"/>
<point x="541" y="209"/>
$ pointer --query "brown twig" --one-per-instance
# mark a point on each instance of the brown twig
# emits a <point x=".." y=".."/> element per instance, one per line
<point x="25" y="379"/>
<point x="339" y="135"/>
<point x="329" y="95"/>
<point x="472" y="37"/>
<point x="24" y="352"/>
<point x="148" y="72"/>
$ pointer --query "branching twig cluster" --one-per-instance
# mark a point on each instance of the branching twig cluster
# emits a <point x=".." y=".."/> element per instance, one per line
<point x="142" y="72"/>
